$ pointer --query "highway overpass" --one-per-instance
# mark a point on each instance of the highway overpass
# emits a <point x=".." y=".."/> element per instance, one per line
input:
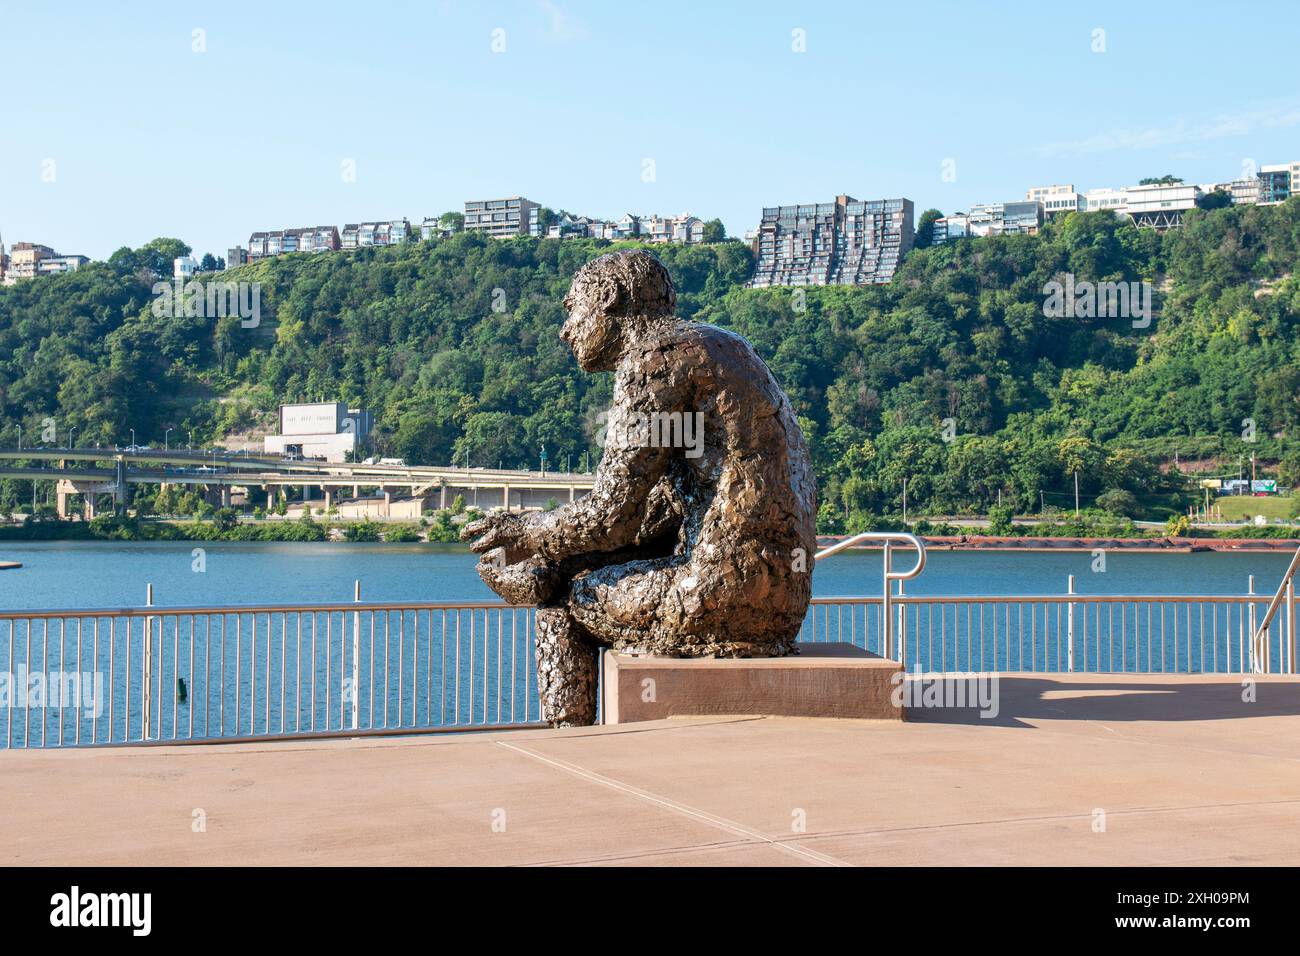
<point x="94" y="472"/>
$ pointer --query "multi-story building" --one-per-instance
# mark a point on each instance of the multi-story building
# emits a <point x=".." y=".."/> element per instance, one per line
<point x="184" y="267"/>
<point x="1116" y="200"/>
<point x="56" y="264"/>
<point x="513" y="216"/>
<point x="1024" y="218"/>
<point x="262" y="245"/>
<point x="1159" y="205"/>
<point x="985" y="219"/>
<point x="1245" y="192"/>
<point x="956" y="226"/>
<point x="845" y="242"/>
<point x="1279" y="182"/>
<point x="359" y="235"/>
<point x="433" y="228"/>
<point x="237" y="256"/>
<point x="1056" y="200"/>
<point x="25" y="259"/>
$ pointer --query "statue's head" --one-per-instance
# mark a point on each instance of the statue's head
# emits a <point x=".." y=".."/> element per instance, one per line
<point x="611" y="300"/>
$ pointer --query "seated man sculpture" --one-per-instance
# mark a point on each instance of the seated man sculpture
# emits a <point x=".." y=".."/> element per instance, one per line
<point x="697" y="539"/>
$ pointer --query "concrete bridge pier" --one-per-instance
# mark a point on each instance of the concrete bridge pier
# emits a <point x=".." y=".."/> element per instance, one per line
<point x="329" y="496"/>
<point x="388" y="503"/>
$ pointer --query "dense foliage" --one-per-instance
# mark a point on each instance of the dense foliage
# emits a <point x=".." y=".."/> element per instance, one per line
<point x="951" y="378"/>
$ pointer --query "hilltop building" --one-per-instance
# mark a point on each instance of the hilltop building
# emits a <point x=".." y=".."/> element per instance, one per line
<point x="26" y="260"/>
<point x="263" y="245"/>
<point x="845" y="242"/>
<point x="502" y="218"/>
<point x="359" y="235"/>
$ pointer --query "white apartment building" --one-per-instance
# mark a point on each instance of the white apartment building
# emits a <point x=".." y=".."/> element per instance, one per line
<point x="1056" y="199"/>
<point x="1161" y="206"/>
<point x="1115" y="200"/>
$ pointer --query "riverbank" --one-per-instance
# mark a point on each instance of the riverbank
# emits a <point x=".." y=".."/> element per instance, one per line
<point x="1180" y="545"/>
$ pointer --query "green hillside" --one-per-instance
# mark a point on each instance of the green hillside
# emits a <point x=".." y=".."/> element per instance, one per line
<point x="951" y="377"/>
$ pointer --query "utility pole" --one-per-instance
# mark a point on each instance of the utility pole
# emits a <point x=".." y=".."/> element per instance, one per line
<point x="1076" y="494"/>
<point x="1042" y="505"/>
<point x="904" y="502"/>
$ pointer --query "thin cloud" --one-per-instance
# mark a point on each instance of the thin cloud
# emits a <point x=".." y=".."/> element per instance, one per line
<point x="560" y="25"/>
<point x="1178" y="133"/>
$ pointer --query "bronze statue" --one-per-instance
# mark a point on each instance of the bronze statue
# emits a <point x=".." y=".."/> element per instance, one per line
<point x="697" y="539"/>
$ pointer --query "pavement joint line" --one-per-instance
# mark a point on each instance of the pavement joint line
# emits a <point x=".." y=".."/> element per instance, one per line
<point x="718" y="845"/>
<point x="1005" y="821"/>
<point x="722" y="823"/>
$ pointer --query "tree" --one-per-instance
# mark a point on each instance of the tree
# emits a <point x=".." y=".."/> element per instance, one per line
<point x="1215" y="199"/>
<point x="925" y="228"/>
<point x="714" y="231"/>
<point x="1165" y="180"/>
<point x="453" y="221"/>
<point x="208" y="263"/>
<point x="1119" y="502"/>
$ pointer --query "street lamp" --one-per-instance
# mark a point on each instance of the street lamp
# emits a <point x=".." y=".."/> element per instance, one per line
<point x="189" y="445"/>
<point x="166" y="446"/>
<point x="20" y="437"/>
<point x="543" y="459"/>
<point x="133" y="438"/>
<point x="70" y="433"/>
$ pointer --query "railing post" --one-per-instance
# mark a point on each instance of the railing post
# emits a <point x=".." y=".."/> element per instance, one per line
<point x="902" y="634"/>
<point x="1069" y="630"/>
<point x="1254" y="637"/>
<point x="356" y="657"/>
<point x="146" y="708"/>
<point x="886" y="618"/>
<point x="1290" y="624"/>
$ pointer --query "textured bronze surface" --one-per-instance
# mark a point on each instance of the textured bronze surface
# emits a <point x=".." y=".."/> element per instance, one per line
<point x="697" y="539"/>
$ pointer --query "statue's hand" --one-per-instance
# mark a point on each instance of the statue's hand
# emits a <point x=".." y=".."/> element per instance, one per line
<point x="505" y="530"/>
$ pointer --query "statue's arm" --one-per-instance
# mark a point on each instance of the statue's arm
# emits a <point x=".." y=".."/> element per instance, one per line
<point x="610" y="517"/>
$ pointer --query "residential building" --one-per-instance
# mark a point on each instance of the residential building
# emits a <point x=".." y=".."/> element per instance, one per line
<point x="56" y="264"/>
<point x="237" y="256"/>
<point x="184" y="268"/>
<point x="327" y="430"/>
<point x="513" y="216"/>
<point x="1115" y="200"/>
<point x="262" y="245"/>
<point x="1056" y="200"/>
<point x="358" y="235"/>
<point x="433" y="228"/>
<point x="845" y="242"/>
<point x="1024" y="218"/>
<point x="25" y="259"/>
<point x="1245" y="192"/>
<point x="985" y="219"/>
<point x="1279" y="182"/>
<point x="1161" y="206"/>
<point x="956" y="226"/>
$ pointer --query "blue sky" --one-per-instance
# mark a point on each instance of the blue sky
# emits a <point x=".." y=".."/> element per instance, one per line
<point x="150" y="138"/>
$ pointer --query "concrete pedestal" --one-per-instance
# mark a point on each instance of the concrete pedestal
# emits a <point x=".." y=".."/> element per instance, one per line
<point x="822" y="680"/>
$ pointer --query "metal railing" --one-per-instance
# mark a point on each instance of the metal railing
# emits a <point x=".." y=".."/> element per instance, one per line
<point x="147" y="674"/>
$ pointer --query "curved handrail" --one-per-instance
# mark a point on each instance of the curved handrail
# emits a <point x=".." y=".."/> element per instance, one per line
<point x="885" y="536"/>
<point x="1286" y="589"/>
<point x="890" y="575"/>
